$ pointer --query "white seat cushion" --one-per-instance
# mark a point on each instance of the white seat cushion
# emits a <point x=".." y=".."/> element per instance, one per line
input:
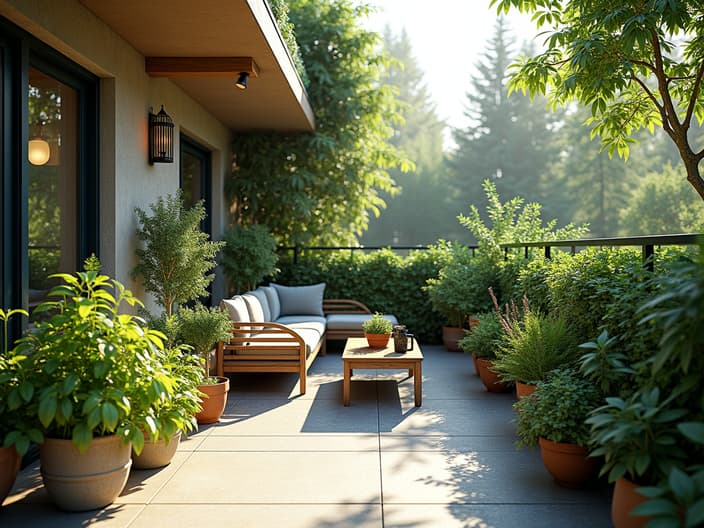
<point x="310" y="337"/>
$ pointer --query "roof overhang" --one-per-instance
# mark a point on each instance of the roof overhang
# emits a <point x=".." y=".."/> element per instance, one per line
<point x="203" y="46"/>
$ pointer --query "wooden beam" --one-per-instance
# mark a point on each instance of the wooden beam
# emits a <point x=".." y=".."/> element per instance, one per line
<point x="200" y="66"/>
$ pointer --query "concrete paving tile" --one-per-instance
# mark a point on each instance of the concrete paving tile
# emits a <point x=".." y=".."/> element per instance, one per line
<point x="143" y="484"/>
<point x="272" y="417"/>
<point x="258" y="478"/>
<point x="475" y="477"/>
<point x="492" y="415"/>
<point x="258" y="516"/>
<point x="28" y="487"/>
<point x="495" y="516"/>
<point x="301" y="442"/>
<point x="26" y="515"/>
<point x="392" y="442"/>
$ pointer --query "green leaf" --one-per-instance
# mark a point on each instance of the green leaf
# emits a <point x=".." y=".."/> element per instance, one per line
<point x="82" y="437"/>
<point x="109" y="416"/>
<point x="47" y="410"/>
<point x="694" y="431"/>
<point x="26" y="390"/>
<point x="681" y="485"/>
<point x="695" y="514"/>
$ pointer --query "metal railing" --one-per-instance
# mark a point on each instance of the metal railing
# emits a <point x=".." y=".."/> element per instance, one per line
<point x="646" y="242"/>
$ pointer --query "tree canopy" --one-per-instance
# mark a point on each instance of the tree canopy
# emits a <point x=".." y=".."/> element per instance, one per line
<point x="635" y="64"/>
<point x="321" y="187"/>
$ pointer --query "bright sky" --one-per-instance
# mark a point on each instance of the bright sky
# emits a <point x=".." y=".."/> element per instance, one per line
<point x="448" y="39"/>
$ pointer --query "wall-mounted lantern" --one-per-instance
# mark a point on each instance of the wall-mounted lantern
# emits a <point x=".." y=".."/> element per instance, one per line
<point x="161" y="137"/>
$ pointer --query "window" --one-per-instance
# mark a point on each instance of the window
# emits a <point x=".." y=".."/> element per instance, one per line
<point x="195" y="178"/>
<point x="48" y="169"/>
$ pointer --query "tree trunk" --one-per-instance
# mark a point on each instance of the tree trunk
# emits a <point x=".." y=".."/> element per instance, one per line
<point x="694" y="177"/>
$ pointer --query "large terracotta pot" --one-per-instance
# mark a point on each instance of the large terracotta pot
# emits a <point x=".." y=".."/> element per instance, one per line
<point x="213" y="406"/>
<point x="524" y="389"/>
<point x="626" y="498"/>
<point x="569" y="464"/>
<point x="377" y="340"/>
<point x="451" y="336"/>
<point x="474" y="362"/>
<point x="84" y="481"/>
<point x="489" y="378"/>
<point x="9" y="466"/>
<point x="156" y="454"/>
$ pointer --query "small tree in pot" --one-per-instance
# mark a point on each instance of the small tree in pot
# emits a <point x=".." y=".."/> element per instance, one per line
<point x="249" y="255"/>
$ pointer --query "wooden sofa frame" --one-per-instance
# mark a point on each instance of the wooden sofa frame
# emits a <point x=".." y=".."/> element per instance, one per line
<point x="288" y="350"/>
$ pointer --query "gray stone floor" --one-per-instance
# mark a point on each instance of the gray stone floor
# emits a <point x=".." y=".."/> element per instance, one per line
<point x="278" y="459"/>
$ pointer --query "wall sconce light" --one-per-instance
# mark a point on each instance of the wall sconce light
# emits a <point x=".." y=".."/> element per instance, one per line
<point x="38" y="150"/>
<point x="161" y="137"/>
<point x="242" y="81"/>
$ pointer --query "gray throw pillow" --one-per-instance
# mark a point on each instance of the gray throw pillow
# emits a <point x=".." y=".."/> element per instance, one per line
<point x="300" y="300"/>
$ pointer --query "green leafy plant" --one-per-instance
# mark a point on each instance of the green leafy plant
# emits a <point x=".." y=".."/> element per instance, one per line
<point x="90" y="370"/>
<point x="604" y="366"/>
<point x="201" y="327"/>
<point x="176" y="257"/>
<point x="512" y="221"/>
<point x="460" y="289"/>
<point x="637" y="437"/>
<point x="249" y="255"/>
<point x="536" y="346"/>
<point x="557" y="410"/>
<point x="377" y="324"/>
<point x="485" y="338"/>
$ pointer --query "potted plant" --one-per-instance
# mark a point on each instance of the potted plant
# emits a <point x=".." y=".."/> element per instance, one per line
<point x="91" y="382"/>
<point x="482" y="342"/>
<point x="249" y="255"/>
<point x="177" y="258"/>
<point x="10" y="365"/>
<point x="174" y="415"/>
<point x="377" y="330"/>
<point x="554" y="417"/>
<point x="201" y="328"/>
<point x="459" y="291"/>
<point x="534" y="346"/>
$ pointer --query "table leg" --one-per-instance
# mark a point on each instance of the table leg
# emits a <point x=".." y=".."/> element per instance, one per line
<point x="417" y="383"/>
<point x="410" y="372"/>
<point x="347" y="374"/>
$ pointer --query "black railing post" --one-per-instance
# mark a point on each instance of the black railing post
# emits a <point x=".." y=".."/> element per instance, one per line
<point x="295" y="255"/>
<point x="525" y="252"/>
<point x="505" y="253"/>
<point x="649" y="257"/>
<point x="547" y="252"/>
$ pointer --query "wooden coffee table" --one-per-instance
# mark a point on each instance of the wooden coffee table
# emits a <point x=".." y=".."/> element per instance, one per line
<point x="358" y="355"/>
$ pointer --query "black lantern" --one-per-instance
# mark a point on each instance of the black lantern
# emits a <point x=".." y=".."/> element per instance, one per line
<point x="161" y="137"/>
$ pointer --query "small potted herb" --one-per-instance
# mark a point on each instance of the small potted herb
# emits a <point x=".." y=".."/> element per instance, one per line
<point x="555" y="417"/>
<point x="377" y="330"/>
<point x="201" y="327"/>
<point x="482" y="342"/>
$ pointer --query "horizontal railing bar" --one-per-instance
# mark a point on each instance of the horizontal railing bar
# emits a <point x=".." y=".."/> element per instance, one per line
<point x="656" y="240"/>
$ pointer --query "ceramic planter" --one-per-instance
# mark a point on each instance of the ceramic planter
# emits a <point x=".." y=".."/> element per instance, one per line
<point x="489" y="378"/>
<point x="377" y="340"/>
<point x="451" y="336"/>
<point x="626" y="498"/>
<point x="524" y="389"/>
<point x="9" y="466"/>
<point x="84" y="481"/>
<point x="213" y="406"/>
<point x="569" y="464"/>
<point x="156" y="454"/>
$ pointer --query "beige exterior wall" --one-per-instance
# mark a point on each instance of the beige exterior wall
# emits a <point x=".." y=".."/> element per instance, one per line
<point x="127" y="180"/>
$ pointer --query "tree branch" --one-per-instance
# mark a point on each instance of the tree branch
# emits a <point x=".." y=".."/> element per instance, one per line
<point x="649" y="93"/>
<point x="693" y="97"/>
<point x="669" y="113"/>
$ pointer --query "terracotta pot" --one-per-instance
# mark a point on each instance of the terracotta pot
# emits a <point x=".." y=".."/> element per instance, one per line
<point x="84" y="481"/>
<point x="451" y="336"/>
<point x="569" y="464"/>
<point x="626" y="498"/>
<point x="156" y="454"/>
<point x="377" y="340"/>
<point x="476" y="367"/>
<point x="489" y="378"/>
<point x="524" y="389"/>
<point x="213" y="406"/>
<point x="9" y="466"/>
<point x="473" y="321"/>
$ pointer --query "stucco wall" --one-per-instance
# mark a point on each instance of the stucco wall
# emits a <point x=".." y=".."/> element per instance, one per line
<point x="127" y="180"/>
